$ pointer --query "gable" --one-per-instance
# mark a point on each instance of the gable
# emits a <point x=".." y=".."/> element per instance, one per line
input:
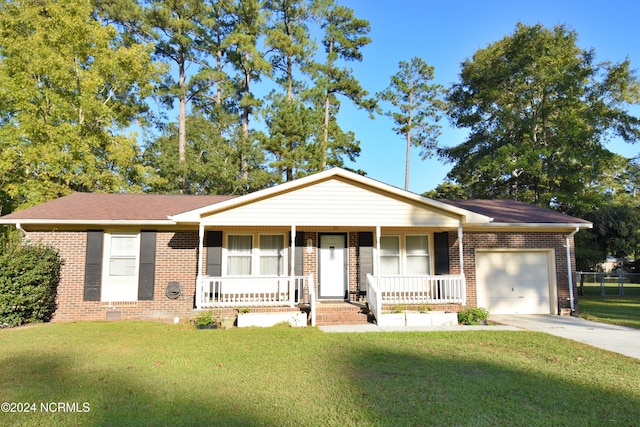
<point x="332" y="202"/>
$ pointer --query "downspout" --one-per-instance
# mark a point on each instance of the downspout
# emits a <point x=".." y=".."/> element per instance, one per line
<point x="22" y="231"/>
<point x="569" y="273"/>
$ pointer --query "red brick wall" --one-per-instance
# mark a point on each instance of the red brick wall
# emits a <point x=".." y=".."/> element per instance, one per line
<point x="353" y="261"/>
<point x="176" y="260"/>
<point x="310" y="260"/>
<point x="473" y="241"/>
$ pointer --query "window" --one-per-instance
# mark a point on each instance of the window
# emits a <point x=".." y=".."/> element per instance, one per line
<point x="272" y="255"/>
<point x="417" y="255"/>
<point x="411" y="259"/>
<point x="239" y="254"/>
<point x="123" y="255"/>
<point x="265" y="257"/>
<point x="120" y="267"/>
<point x="390" y="254"/>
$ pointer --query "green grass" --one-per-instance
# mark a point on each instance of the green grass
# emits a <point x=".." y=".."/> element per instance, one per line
<point x="619" y="310"/>
<point x="153" y="374"/>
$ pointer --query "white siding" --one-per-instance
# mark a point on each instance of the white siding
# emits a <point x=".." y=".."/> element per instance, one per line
<point x="334" y="202"/>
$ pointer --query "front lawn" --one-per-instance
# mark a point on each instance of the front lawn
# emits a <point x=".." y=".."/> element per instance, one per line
<point x="619" y="310"/>
<point x="152" y="374"/>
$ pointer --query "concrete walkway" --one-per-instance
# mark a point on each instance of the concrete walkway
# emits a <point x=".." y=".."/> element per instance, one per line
<point x="618" y="339"/>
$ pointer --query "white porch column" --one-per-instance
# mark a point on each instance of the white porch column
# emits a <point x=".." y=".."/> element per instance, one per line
<point x="460" y="249"/>
<point x="377" y="272"/>
<point x="292" y="269"/>
<point x="461" y="255"/>
<point x="292" y="254"/>
<point x="200" y="255"/>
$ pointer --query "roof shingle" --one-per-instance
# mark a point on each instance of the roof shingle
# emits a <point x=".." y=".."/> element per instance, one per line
<point x="514" y="212"/>
<point x="106" y="207"/>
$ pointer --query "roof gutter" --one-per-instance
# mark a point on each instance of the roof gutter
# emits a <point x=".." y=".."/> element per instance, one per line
<point x="569" y="273"/>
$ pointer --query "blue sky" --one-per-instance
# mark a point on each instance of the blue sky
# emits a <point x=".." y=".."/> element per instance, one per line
<point x="445" y="33"/>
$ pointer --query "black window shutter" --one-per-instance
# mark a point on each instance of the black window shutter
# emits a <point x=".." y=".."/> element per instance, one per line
<point x="93" y="266"/>
<point x="298" y="269"/>
<point x="365" y="243"/>
<point x="441" y="256"/>
<point x="213" y="242"/>
<point x="146" y="278"/>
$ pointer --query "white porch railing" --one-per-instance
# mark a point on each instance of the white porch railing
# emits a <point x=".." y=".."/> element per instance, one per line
<point x="441" y="289"/>
<point x="373" y="296"/>
<point x="251" y="291"/>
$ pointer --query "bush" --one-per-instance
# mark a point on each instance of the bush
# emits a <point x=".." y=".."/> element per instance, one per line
<point x="473" y="316"/>
<point x="29" y="277"/>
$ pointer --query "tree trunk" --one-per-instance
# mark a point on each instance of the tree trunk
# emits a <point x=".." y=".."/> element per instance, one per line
<point x="408" y="153"/>
<point x="182" y="125"/>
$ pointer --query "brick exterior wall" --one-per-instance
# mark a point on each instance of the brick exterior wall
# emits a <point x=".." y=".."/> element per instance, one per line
<point x="176" y="260"/>
<point x="354" y="276"/>
<point x="310" y="263"/>
<point x="473" y="241"/>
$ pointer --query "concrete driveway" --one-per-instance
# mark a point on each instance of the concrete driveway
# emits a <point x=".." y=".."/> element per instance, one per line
<point x="619" y="339"/>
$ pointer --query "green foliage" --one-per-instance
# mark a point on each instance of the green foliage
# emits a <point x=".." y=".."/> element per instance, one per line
<point x="206" y="318"/>
<point x="399" y="308"/>
<point x="212" y="161"/>
<point x="539" y="110"/>
<point x="70" y="88"/>
<point x="425" y="308"/>
<point x="473" y="316"/>
<point x="447" y="190"/>
<point x="616" y="229"/>
<point x="344" y="35"/>
<point x="29" y="277"/>
<point x="416" y="107"/>
<point x="292" y="128"/>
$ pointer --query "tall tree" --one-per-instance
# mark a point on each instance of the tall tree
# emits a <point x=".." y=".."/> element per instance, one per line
<point x="343" y="38"/>
<point x="251" y="65"/>
<point x="69" y="90"/>
<point x="539" y="110"/>
<point x="182" y="32"/>
<point x="417" y="108"/>
<point x="288" y="119"/>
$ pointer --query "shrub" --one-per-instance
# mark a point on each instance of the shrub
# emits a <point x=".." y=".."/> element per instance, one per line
<point x="206" y="318"/>
<point x="473" y="316"/>
<point x="29" y="277"/>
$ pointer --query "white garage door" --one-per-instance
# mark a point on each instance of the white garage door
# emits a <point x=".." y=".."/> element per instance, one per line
<point x="514" y="282"/>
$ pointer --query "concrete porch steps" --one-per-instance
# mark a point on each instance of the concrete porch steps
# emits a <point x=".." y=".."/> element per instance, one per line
<point x="339" y="313"/>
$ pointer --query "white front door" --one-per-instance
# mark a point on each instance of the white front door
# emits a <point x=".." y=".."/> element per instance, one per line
<point x="333" y="266"/>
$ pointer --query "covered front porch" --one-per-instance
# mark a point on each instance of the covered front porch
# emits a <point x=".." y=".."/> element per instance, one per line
<point x="340" y="264"/>
<point x="331" y="236"/>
